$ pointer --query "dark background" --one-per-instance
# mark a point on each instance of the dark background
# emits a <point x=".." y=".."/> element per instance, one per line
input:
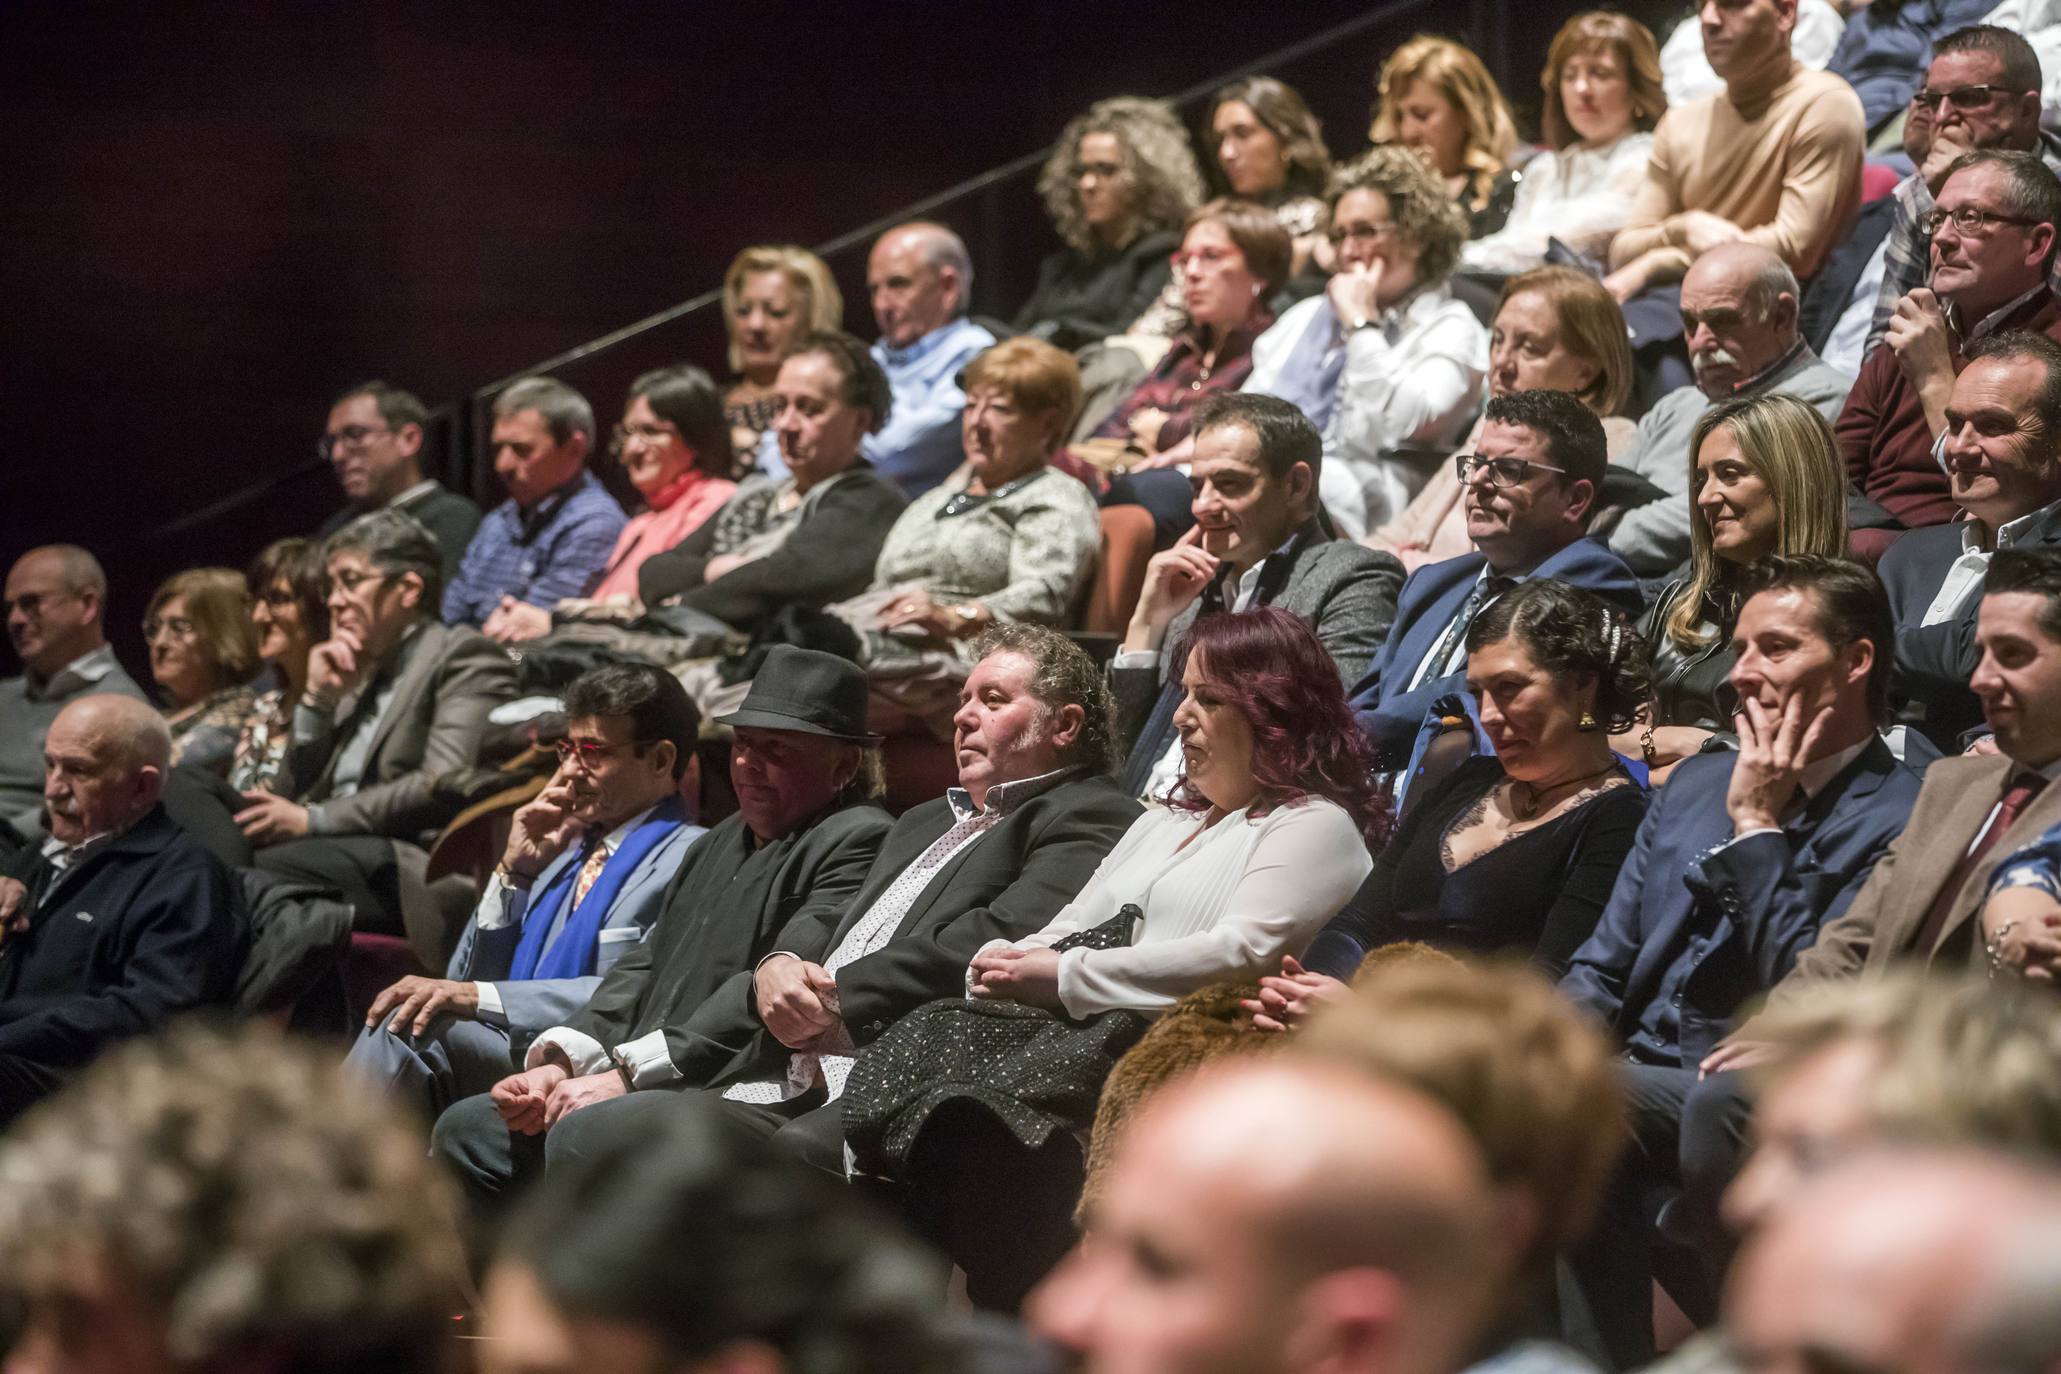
<point x="215" y="218"/>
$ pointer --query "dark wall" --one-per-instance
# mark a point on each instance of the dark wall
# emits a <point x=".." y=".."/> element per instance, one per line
<point x="217" y="217"/>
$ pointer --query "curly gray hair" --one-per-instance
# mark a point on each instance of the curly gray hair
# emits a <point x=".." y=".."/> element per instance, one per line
<point x="1424" y="214"/>
<point x="1159" y="163"/>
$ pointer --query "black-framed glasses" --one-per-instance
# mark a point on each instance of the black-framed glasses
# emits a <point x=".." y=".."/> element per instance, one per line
<point x="1502" y="472"/>
<point x="592" y="752"/>
<point x="350" y="579"/>
<point x="352" y="437"/>
<point x="1961" y="97"/>
<point x="1107" y="171"/>
<point x="1966" y="219"/>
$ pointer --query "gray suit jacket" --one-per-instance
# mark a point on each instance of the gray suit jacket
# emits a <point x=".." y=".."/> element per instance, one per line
<point x="451" y="678"/>
<point x="532" y="1006"/>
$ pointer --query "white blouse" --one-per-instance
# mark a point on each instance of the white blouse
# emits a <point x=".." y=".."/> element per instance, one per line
<point x="1241" y="894"/>
<point x="1581" y="196"/>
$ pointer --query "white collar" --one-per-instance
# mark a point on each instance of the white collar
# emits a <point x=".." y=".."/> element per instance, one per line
<point x="2012" y="533"/>
<point x="1818" y="773"/>
<point x="422" y="488"/>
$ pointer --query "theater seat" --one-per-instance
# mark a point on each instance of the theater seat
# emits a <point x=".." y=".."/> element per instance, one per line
<point x="1126" y="549"/>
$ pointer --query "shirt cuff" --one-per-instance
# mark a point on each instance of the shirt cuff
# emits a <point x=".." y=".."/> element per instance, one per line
<point x="585" y="1053"/>
<point x="311" y="723"/>
<point x="317" y="823"/>
<point x="490" y="1009"/>
<point x="1747" y="835"/>
<point x="1135" y="658"/>
<point x="492" y="912"/>
<point x="646" y="1059"/>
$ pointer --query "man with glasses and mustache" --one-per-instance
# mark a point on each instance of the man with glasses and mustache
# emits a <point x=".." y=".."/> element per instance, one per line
<point x="55" y="597"/>
<point x="1530" y="487"/>
<point x="374" y="441"/>
<point x="582" y="878"/>
<point x="1993" y="236"/>
<point x="394" y="699"/>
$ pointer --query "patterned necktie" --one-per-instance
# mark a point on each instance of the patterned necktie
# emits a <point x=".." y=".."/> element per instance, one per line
<point x="589" y="871"/>
<point x="2017" y="796"/>
<point x="1436" y="663"/>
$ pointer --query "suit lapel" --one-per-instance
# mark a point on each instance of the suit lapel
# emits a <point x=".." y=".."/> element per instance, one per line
<point x="894" y="859"/>
<point x="1948" y="833"/>
<point x="422" y="661"/>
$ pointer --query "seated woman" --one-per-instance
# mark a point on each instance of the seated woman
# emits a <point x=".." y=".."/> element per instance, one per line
<point x="1435" y="98"/>
<point x="1603" y="97"/>
<point x="1764" y="478"/>
<point x="1118" y="186"/>
<point x="1516" y="852"/>
<point x="202" y="655"/>
<point x="289" y="617"/>
<point x="1015" y="539"/>
<point x="1260" y="844"/>
<point x="1266" y="146"/>
<point x="772" y="296"/>
<point x="1555" y="329"/>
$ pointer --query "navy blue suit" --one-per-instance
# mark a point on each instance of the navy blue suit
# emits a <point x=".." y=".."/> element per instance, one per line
<point x="1386" y="706"/>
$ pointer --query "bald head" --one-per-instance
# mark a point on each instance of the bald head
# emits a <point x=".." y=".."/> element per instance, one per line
<point x="919" y="277"/>
<point x="1932" y="1263"/>
<point x="54" y="599"/>
<point x="104" y="765"/>
<point x="1738" y="315"/>
<point x="1314" y="1214"/>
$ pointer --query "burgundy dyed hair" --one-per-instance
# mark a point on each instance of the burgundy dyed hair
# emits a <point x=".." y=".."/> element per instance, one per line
<point x="1269" y="667"/>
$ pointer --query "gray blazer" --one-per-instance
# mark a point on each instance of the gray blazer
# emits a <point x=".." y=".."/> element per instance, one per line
<point x="451" y="678"/>
<point x="534" y="1005"/>
<point x="1346" y="591"/>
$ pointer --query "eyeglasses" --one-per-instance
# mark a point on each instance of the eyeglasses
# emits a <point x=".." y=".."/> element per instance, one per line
<point x="350" y="580"/>
<point x="625" y="435"/>
<point x="1107" y="171"/>
<point x="352" y="437"/>
<point x="1962" y="98"/>
<point x="177" y="626"/>
<point x="1341" y="234"/>
<point x="591" y="752"/>
<point x="1966" y="220"/>
<point x="1201" y="257"/>
<point x="31" y="604"/>
<point x="1502" y="472"/>
<point x="278" y="598"/>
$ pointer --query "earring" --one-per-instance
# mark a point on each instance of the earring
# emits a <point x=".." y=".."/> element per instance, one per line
<point x="1587" y="724"/>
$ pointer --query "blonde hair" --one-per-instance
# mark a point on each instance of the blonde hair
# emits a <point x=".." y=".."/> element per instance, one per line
<point x="218" y="603"/>
<point x="1159" y="165"/>
<point x="1591" y="325"/>
<point x="1789" y="446"/>
<point x="808" y="276"/>
<point x="1630" y="42"/>
<point x="1466" y="84"/>
<point x="1043" y="381"/>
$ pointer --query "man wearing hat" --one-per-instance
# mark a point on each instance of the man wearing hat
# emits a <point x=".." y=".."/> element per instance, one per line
<point x="806" y="772"/>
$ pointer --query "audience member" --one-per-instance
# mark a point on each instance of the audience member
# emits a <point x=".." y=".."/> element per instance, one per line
<point x="1360" y="1238"/>
<point x="773" y="295"/>
<point x="1014" y="540"/>
<point x="1955" y="1272"/>
<point x="1741" y="858"/>
<point x="1739" y="322"/>
<point x="1555" y="329"/>
<point x="1265" y="145"/>
<point x="1118" y="185"/>
<point x="1515" y="853"/>
<point x="581" y="879"/>
<point x="810" y="537"/>
<point x="374" y="440"/>
<point x="1773" y="160"/>
<point x="551" y="538"/>
<point x="1881" y="53"/>
<point x="1603" y="97"/>
<point x="1764" y="470"/>
<point x="2002" y="447"/>
<point x="226" y="1202"/>
<point x="803" y="837"/>
<point x="1435" y="98"/>
<point x="289" y="615"/>
<point x="203" y="651"/>
<point x="1981" y="92"/>
<point x="56" y="597"/>
<point x="392" y="701"/>
<point x="1263" y="841"/>
<point x="1530" y="484"/>
<point x="118" y="922"/>
<point x="1993" y="236"/>
<point x="1257" y="541"/>
<point x="684" y="1244"/>
<point x="1685" y="70"/>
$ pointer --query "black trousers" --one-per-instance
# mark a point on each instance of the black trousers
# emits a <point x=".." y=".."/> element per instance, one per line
<point x="364" y="868"/>
<point x="24" y="1083"/>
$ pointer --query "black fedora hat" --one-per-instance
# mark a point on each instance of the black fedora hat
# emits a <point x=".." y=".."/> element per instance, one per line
<point x="809" y="691"/>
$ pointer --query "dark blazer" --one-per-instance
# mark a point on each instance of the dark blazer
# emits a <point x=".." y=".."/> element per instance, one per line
<point x="148" y="926"/>
<point x="724" y="909"/>
<point x="1387" y="709"/>
<point x="828" y="557"/>
<point x="1934" y="663"/>
<point x="1008" y="885"/>
<point x="450" y="518"/>
<point x="1755" y="905"/>
<point x="451" y="678"/>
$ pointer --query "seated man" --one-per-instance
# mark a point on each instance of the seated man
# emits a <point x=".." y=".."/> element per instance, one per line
<point x="2003" y="455"/>
<point x="119" y="922"/>
<point x="1739" y="859"/>
<point x="1256" y="542"/>
<point x="55" y="598"/>
<point x="1531" y="484"/>
<point x="1981" y="91"/>
<point x="552" y="537"/>
<point x="393" y="699"/>
<point x="1773" y="159"/>
<point x="1991" y="251"/>
<point x="583" y="877"/>
<point x="806" y="831"/>
<point x="1739" y="313"/>
<point x="374" y="441"/>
